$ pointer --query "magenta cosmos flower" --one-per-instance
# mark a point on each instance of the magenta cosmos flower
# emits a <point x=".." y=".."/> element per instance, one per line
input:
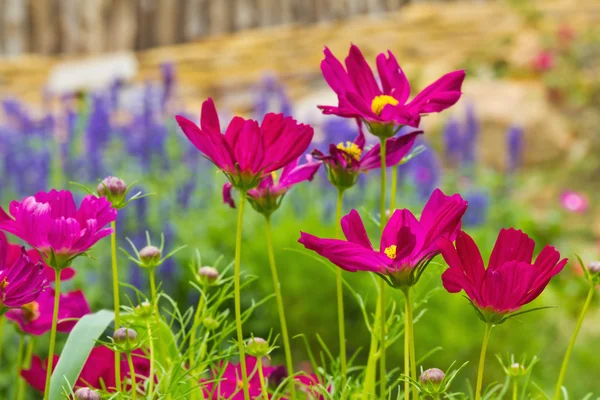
<point x="359" y="95"/>
<point x="229" y="384"/>
<point x="247" y="151"/>
<point x="407" y="245"/>
<point x="346" y="161"/>
<point x="51" y="223"/>
<point x="574" y="202"/>
<point x="267" y="196"/>
<point x="98" y="371"/>
<point x="21" y="279"/>
<point x="15" y="251"/>
<point x="511" y="279"/>
<point x="35" y="318"/>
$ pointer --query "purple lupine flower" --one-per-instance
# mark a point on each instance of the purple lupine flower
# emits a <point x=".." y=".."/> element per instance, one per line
<point x="168" y="75"/>
<point x="514" y="143"/>
<point x="479" y="204"/>
<point x="423" y="172"/>
<point x="97" y="136"/>
<point x="470" y="136"/>
<point x="453" y="141"/>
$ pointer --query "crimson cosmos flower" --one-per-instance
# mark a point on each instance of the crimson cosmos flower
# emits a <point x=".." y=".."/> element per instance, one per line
<point x="359" y="95"/>
<point x="229" y="384"/>
<point x="407" y="245"/>
<point x="247" y="151"/>
<point x="267" y="196"/>
<point x="346" y="161"/>
<point x="51" y="223"/>
<point x="35" y="318"/>
<point x="511" y="279"/>
<point x="21" y="279"/>
<point x="14" y="251"/>
<point x="98" y="371"/>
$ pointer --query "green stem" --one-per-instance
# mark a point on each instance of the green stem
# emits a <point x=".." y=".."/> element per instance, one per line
<point x="261" y="376"/>
<point x="52" y="333"/>
<point x="394" y="186"/>
<point x="152" y="358"/>
<point x="117" y="305"/>
<point x="382" y="319"/>
<point x="369" y="385"/>
<point x="340" y="293"/>
<point x="406" y="347"/>
<point x="237" y="293"/>
<point x="565" y="363"/>
<point x="284" y="331"/>
<point x="2" y="323"/>
<point x="19" y="365"/>
<point x="199" y="309"/>
<point x="409" y="335"/>
<point x="486" y="338"/>
<point x="152" y="283"/>
<point x="132" y="373"/>
<point x="515" y="389"/>
<point x="26" y="366"/>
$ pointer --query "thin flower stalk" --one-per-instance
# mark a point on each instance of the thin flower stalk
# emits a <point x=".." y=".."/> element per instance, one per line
<point x="117" y="304"/>
<point x="152" y="358"/>
<point x="409" y="342"/>
<point x="52" y="334"/>
<point x="281" y="310"/>
<point x="237" y="296"/>
<point x="486" y="338"/>
<point x="25" y="366"/>
<point x="382" y="319"/>
<point x="133" y="379"/>
<point x="339" y="291"/>
<point x="261" y="376"/>
<point x="19" y="365"/>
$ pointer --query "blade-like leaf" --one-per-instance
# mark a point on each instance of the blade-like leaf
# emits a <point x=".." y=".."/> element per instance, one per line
<point x="80" y="343"/>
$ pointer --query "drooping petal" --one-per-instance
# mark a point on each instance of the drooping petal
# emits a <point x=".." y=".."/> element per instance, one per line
<point x="354" y="230"/>
<point x="305" y="172"/>
<point x="396" y="149"/>
<point x="440" y="95"/>
<point x="227" y="198"/>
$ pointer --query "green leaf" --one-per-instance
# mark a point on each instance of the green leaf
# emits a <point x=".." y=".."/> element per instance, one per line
<point x="79" y="344"/>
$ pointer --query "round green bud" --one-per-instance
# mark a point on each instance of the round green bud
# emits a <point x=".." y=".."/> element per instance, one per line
<point x="144" y="310"/>
<point x="516" y="369"/>
<point x="434" y="376"/>
<point x="210" y="323"/>
<point x="113" y="188"/>
<point x="126" y="338"/>
<point x="150" y="256"/>
<point x="258" y="347"/>
<point x="208" y="275"/>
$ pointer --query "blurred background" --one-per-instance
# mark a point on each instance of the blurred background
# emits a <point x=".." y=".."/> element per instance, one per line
<point x="89" y="89"/>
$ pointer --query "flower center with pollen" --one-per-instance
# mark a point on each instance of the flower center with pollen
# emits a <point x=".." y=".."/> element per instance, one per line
<point x="3" y="284"/>
<point x="391" y="251"/>
<point x="31" y="311"/>
<point x="351" y="151"/>
<point x="379" y="102"/>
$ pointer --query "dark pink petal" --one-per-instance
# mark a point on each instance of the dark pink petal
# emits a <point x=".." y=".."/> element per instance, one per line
<point x="357" y="106"/>
<point x="360" y="140"/>
<point x="511" y="245"/>
<point x="305" y="172"/>
<point x="334" y="73"/>
<point x="392" y="77"/>
<point x="354" y="230"/>
<point x="201" y="140"/>
<point x="396" y="149"/>
<point x="503" y="288"/>
<point x="393" y="231"/>
<point x="209" y="119"/>
<point x="547" y="265"/>
<point x="440" y="95"/>
<point x="233" y="131"/>
<point x="227" y="198"/>
<point x="248" y="150"/>
<point x="346" y="255"/>
<point x="441" y="217"/>
<point x="36" y="374"/>
<point x="361" y="75"/>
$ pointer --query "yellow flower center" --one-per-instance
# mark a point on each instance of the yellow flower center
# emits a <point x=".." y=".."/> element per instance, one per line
<point x="351" y="150"/>
<point x="240" y="384"/>
<point x="4" y="283"/>
<point x="274" y="176"/>
<point x="31" y="311"/>
<point x="381" y="101"/>
<point x="391" y="251"/>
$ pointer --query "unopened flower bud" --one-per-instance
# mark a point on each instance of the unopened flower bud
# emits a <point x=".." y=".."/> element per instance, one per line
<point x="144" y="310"/>
<point x="210" y="323"/>
<point x="126" y="338"/>
<point x="86" y="394"/>
<point x="258" y="347"/>
<point x="516" y="369"/>
<point x="150" y="256"/>
<point x="113" y="188"/>
<point x="434" y="376"/>
<point x="208" y="275"/>
<point x="594" y="267"/>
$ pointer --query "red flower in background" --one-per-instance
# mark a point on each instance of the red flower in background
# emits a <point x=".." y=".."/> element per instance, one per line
<point x="228" y="384"/>
<point x="543" y="61"/>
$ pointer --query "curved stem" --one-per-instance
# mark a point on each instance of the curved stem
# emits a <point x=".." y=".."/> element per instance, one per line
<point x="382" y="317"/>
<point x="394" y="188"/>
<point x="486" y="338"/>
<point x="340" y="294"/>
<point x="26" y="366"/>
<point x="152" y="358"/>
<point x="52" y="334"/>
<point x="19" y="365"/>
<point x="565" y="363"/>
<point x="237" y="294"/>
<point x="284" y="331"/>
<point x="261" y="376"/>
<point x="117" y="304"/>
<point x="132" y="373"/>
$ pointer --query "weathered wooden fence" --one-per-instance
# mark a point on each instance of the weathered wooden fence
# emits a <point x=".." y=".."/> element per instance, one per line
<point x="93" y="26"/>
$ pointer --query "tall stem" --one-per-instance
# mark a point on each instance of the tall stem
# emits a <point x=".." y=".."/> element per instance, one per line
<point x="261" y="376"/>
<point x="394" y="188"/>
<point x="152" y="358"/>
<point x="382" y="317"/>
<point x="237" y="290"/>
<point x="409" y="336"/>
<point x="565" y="363"/>
<point x="52" y="333"/>
<point x="117" y="303"/>
<point x="284" y="331"/>
<point x="199" y="309"/>
<point x="19" y="365"/>
<point x="486" y="338"/>
<point x="26" y="366"/>
<point x="406" y="345"/>
<point x="515" y="393"/>
<point x="340" y="293"/>
<point x="132" y="373"/>
<point x="2" y="324"/>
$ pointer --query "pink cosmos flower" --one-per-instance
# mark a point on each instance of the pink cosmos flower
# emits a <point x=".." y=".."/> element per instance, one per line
<point x="247" y="151"/>
<point x="574" y="202"/>
<point x="21" y="279"/>
<point x="309" y="384"/>
<point x="98" y="371"/>
<point x="267" y="196"/>
<point x="359" y="95"/>
<point x="407" y="245"/>
<point x="543" y="61"/>
<point x="229" y="384"/>
<point x="51" y="223"/>
<point x="346" y="161"/>
<point x="35" y="318"/>
<point x="15" y="251"/>
<point x="511" y="279"/>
